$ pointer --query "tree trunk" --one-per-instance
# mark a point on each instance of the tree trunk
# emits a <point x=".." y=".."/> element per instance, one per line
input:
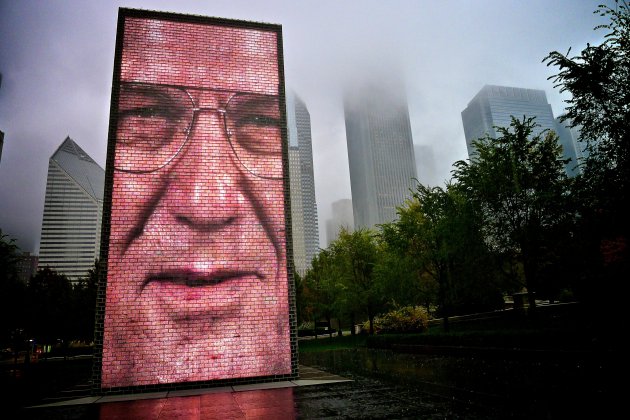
<point x="529" y="271"/>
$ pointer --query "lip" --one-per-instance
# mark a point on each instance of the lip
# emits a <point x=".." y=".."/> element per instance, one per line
<point x="195" y="279"/>
<point x="191" y="296"/>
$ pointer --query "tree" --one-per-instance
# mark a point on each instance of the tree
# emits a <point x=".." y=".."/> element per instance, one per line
<point x="12" y="290"/>
<point x="416" y="262"/>
<point x="437" y="232"/>
<point x="598" y="80"/>
<point x="518" y="184"/>
<point x="84" y="305"/>
<point x="357" y="255"/>
<point x="50" y="306"/>
<point x="599" y="83"/>
<point x="400" y="282"/>
<point x="320" y="289"/>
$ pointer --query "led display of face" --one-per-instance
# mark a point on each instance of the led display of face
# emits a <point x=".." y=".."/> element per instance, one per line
<point x="197" y="285"/>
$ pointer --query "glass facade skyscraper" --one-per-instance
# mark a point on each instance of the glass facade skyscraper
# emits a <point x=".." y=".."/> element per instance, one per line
<point x="493" y="106"/>
<point x="380" y="151"/>
<point x="71" y="227"/>
<point x="571" y="147"/>
<point x="302" y="183"/>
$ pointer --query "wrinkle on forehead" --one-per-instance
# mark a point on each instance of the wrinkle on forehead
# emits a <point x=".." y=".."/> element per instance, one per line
<point x="200" y="55"/>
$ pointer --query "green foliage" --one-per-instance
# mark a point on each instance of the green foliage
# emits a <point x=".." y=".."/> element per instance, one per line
<point x="438" y="234"/>
<point x="598" y="80"/>
<point x="12" y="291"/>
<point x="50" y="306"/>
<point x="340" y="283"/>
<point x="408" y="319"/>
<point x="84" y="305"/>
<point x="510" y="218"/>
<point x="357" y="255"/>
<point x="320" y="287"/>
<point x="518" y="187"/>
<point x="9" y="256"/>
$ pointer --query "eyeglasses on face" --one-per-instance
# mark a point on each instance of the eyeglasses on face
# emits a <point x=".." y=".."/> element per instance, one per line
<point x="155" y="123"/>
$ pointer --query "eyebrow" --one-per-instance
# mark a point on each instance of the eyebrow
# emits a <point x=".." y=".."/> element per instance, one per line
<point x="197" y="88"/>
<point x="152" y="91"/>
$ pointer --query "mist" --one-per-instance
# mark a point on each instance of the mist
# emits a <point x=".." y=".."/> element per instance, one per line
<point x="56" y="60"/>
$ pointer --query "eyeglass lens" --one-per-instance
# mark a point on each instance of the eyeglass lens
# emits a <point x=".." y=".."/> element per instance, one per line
<point x="154" y="123"/>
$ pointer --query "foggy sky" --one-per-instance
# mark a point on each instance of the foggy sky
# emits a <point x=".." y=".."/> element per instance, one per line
<point x="56" y="60"/>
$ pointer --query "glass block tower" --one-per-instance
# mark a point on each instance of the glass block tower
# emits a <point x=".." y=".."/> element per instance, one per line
<point x="71" y="227"/>
<point x="494" y="106"/>
<point x="302" y="184"/>
<point x="380" y="150"/>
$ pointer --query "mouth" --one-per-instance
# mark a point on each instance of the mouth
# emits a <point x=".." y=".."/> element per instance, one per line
<point x="195" y="279"/>
<point x="190" y="296"/>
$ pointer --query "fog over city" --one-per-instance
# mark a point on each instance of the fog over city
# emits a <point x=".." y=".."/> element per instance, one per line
<point x="56" y="60"/>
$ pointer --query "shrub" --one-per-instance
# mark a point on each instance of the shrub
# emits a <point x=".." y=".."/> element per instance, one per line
<point x="402" y="320"/>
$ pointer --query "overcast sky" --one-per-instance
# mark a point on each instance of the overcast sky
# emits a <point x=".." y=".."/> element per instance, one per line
<point x="56" y="60"/>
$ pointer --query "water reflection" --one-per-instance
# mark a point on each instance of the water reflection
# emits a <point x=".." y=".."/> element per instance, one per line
<point x="542" y="386"/>
<point x="269" y="403"/>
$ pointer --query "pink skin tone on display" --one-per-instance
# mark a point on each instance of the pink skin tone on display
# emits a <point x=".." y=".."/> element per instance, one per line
<point x="197" y="284"/>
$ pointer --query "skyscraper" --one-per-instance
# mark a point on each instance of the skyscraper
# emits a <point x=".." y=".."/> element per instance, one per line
<point x="303" y="205"/>
<point x="71" y="227"/>
<point x="341" y="218"/>
<point x="571" y="149"/>
<point x="494" y="106"/>
<point x="425" y="165"/>
<point x="380" y="150"/>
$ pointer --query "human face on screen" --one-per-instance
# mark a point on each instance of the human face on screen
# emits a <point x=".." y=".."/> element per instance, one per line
<point x="197" y="285"/>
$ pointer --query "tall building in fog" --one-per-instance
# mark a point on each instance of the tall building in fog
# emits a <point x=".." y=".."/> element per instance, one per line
<point x="494" y="106"/>
<point x="380" y="150"/>
<point x="302" y="184"/>
<point x="71" y="227"/>
<point x="571" y="147"/>
<point x="425" y="165"/>
<point x="341" y="218"/>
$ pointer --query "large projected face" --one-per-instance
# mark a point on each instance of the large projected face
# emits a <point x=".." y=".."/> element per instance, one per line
<point x="197" y="280"/>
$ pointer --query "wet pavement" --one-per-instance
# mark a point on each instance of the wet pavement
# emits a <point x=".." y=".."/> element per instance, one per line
<point x="380" y="384"/>
<point x="318" y="398"/>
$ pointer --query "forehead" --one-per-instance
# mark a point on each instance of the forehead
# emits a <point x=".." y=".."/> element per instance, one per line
<point x="200" y="55"/>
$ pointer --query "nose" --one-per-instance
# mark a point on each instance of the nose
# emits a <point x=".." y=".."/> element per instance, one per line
<point x="206" y="186"/>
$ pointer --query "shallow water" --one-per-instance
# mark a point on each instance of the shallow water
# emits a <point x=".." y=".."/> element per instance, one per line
<point x="523" y="388"/>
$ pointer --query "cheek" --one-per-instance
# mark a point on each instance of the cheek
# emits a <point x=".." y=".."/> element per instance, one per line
<point x="131" y="195"/>
<point x="271" y="197"/>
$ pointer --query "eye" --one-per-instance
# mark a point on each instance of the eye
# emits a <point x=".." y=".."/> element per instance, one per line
<point x="153" y="102"/>
<point x="254" y="124"/>
<point x="258" y="120"/>
<point x="152" y="117"/>
<point x="146" y="112"/>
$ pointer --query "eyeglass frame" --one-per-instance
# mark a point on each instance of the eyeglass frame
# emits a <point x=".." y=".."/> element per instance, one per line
<point x="223" y="111"/>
